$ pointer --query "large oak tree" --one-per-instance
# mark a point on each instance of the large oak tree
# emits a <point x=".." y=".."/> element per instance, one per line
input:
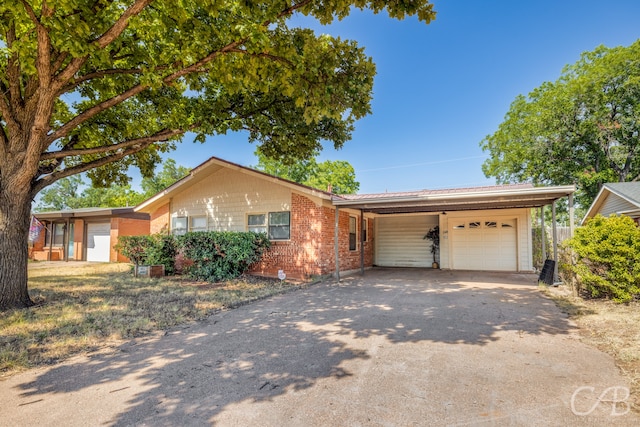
<point x="582" y="129"/>
<point x="99" y="86"/>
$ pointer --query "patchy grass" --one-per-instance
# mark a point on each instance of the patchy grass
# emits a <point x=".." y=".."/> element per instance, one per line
<point x="88" y="307"/>
<point x="611" y="327"/>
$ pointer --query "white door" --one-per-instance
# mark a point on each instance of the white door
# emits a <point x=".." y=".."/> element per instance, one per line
<point x="98" y="241"/>
<point x="484" y="244"/>
<point x="400" y="242"/>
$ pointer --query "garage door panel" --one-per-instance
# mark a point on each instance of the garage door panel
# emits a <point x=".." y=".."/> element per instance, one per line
<point x="400" y="243"/>
<point x="98" y="241"/>
<point x="484" y="244"/>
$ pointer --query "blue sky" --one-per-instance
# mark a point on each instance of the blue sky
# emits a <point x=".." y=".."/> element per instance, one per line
<point x="441" y="88"/>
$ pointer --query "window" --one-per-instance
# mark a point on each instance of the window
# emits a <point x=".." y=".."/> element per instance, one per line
<point x="490" y="224"/>
<point x="352" y="233"/>
<point x="257" y="223"/>
<point x="179" y="225"/>
<point x="198" y="223"/>
<point x="364" y="230"/>
<point x="459" y="226"/>
<point x="279" y="225"/>
<point x="474" y="224"/>
<point x="58" y="234"/>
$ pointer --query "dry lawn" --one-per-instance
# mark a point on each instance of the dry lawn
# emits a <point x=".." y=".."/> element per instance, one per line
<point x="88" y="307"/>
<point x="611" y="327"/>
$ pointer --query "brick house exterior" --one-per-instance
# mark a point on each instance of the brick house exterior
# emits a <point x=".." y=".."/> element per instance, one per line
<point x="481" y="228"/>
<point x="220" y="195"/>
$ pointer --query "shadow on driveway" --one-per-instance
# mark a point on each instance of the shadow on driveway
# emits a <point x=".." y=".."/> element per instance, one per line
<point x="288" y="344"/>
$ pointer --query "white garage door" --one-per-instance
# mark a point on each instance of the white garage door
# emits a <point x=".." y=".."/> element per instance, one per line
<point x="484" y="244"/>
<point x="98" y="241"/>
<point x="400" y="243"/>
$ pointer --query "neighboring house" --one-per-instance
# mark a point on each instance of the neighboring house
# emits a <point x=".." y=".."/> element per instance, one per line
<point x="618" y="198"/>
<point x="483" y="228"/>
<point x="86" y="234"/>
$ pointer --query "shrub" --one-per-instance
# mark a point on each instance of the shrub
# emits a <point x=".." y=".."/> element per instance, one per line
<point x="159" y="249"/>
<point x="163" y="251"/>
<point x="606" y="258"/>
<point x="135" y="248"/>
<point x="221" y="255"/>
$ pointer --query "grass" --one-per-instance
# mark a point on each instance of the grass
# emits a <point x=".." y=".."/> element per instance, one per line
<point x="87" y="308"/>
<point x="611" y="327"/>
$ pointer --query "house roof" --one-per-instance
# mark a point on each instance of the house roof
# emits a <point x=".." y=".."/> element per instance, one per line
<point x="629" y="191"/>
<point x="212" y="165"/>
<point x="456" y="199"/>
<point x="127" y="212"/>
<point x="488" y="197"/>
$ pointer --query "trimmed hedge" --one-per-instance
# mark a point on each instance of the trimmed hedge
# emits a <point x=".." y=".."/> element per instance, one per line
<point x="221" y="255"/>
<point x="606" y="254"/>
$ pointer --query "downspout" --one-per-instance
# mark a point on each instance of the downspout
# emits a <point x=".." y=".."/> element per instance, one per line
<point x="361" y="242"/>
<point x="335" y="244"/>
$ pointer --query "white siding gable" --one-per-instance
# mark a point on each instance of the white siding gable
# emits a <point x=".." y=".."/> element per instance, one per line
<point x="227" y="196"/>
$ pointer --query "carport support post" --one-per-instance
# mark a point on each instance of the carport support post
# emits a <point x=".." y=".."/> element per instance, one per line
<point x="555" y="241"/>
<point x="543" y="235"/>
<point x="335" y="244"/>
<point x="572" y="224"/>
<point x="361" y="242"/>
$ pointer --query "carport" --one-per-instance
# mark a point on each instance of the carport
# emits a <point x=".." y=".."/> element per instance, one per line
<point x="481" y="228"/>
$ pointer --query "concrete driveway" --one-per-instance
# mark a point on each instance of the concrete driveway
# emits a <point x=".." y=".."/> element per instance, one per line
<point x="396" y="347"/>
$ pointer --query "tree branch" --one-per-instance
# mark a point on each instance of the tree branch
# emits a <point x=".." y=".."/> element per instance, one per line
<point x="95" y="75"/>
<point x="160" y="136"/>
<point x="142" y="144"/>
<point x="109" y="36"/>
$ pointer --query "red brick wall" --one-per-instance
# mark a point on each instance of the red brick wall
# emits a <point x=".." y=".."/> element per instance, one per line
<point x="125" y="227"/>
<point x="160" y="220"/>
<point x="311" y="248"/>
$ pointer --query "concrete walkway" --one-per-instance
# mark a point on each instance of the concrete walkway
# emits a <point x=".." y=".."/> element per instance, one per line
<point x="396" y="347"/>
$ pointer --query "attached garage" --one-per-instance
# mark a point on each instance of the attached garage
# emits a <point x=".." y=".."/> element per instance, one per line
<point x="98" y="241"/>
<point x="481" y="228"/>
<point x="484" y="244"/>
<point x="400" y="241"/>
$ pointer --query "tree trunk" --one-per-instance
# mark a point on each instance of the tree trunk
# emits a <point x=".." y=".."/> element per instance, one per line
<point x="15" y="210"/>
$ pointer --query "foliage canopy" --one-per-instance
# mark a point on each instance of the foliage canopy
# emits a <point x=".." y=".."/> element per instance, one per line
<point x="582" y="129"/>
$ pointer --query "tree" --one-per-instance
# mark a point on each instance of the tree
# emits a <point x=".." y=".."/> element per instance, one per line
<point x="582" y="129"/>
<point x="99" y="86"/>
<point x="339" y="174"/>
<point x="64" y="193"/>
<point x="169" y="174"/>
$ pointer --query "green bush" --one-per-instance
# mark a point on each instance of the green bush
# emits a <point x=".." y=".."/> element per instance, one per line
<point x="221" y="255"/>
<point x="136" y="248"/>
<point x="606" y="258"/>
<point x="158" y="249"/>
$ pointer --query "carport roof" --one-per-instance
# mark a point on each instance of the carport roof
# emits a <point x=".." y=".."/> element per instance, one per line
<point x="459" y="199"/>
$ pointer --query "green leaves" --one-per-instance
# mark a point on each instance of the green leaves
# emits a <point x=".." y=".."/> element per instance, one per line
<point x="607" y="258"/>
<point x="582" y="129"/>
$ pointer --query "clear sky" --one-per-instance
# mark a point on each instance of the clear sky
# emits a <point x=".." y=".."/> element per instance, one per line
<point x="441" y="88"/>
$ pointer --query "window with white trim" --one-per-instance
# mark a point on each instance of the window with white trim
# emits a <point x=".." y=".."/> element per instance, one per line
<point x="277" y="225"/>
<point x="179" y="225"/>
<point x="257" y="223"/>
<point x="198" y="223"/>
